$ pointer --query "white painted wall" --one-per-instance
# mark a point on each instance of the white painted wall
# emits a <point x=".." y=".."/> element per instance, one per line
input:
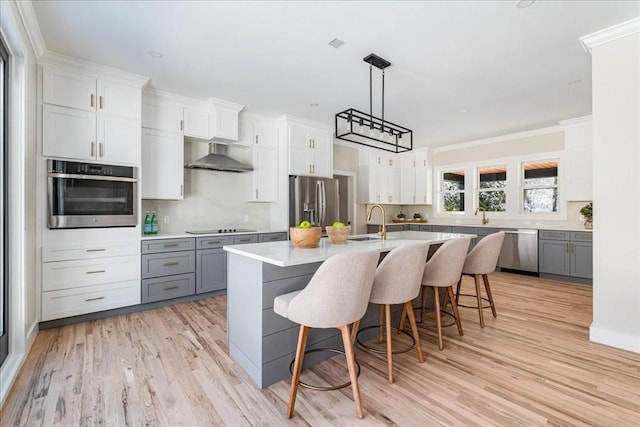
<point x="23" y="317"/>
<point x="616" y="193"/>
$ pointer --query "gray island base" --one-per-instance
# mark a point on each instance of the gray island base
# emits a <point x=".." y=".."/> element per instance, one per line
<point x="262" y="342"/>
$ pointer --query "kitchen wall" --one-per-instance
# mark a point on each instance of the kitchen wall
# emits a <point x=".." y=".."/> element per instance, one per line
<point x="212" y="199"/>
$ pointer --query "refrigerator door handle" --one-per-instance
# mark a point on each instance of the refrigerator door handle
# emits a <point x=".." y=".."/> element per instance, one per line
<point x="323" y="201"/>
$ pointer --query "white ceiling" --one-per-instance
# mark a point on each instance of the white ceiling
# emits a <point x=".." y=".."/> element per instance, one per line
<point x="513" y="69"/>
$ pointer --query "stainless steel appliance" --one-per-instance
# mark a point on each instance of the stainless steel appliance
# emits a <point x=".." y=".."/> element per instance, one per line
<point x="321" y="201"/>
<point x="519" y="251"/>
<point x="87" y="195"/>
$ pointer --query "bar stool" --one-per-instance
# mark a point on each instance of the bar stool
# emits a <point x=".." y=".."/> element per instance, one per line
<point x="481" y="261"/>
<point x="443" y="270"/>
<point x="337" y="295"/>
<point x="397" y="281"/>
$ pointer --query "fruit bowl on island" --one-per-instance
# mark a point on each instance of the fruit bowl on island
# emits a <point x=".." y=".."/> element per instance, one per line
<point x="338" y="233"/>
<point x="305" y="235"/>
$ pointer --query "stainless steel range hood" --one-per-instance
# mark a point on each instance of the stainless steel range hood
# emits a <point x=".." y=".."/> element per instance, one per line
<point x="218" y="160"/>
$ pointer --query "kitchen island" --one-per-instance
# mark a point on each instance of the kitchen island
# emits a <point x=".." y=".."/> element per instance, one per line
<point x="262" y="342"/>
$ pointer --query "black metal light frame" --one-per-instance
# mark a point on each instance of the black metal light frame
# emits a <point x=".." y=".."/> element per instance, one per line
<point x="369" y="130"/>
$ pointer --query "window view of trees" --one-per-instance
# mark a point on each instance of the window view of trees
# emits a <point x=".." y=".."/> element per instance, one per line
<point x="492" y="180"/>
<point x="453" y="191"/>
<point x="540" y="186"/>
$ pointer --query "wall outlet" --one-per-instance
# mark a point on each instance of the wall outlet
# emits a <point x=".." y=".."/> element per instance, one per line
<point x="246" y="218"/>
<point x="166" y="219"/>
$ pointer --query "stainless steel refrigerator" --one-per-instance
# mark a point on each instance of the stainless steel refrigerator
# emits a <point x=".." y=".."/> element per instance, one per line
<point x="321" y="201"/>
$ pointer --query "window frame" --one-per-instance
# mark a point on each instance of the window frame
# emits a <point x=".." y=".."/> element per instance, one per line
<point x="478" y="189"/>
<point x="441" y="192"/>
<point x="523" y="187"/>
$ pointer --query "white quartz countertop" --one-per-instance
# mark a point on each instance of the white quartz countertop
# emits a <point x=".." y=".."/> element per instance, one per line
<point x="182" y="234"/>
<point x="497" y="226"/>
<point x="284" y="254"/>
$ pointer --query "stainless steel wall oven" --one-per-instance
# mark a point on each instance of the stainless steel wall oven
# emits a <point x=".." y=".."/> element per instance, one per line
<point x="87" y="195"/>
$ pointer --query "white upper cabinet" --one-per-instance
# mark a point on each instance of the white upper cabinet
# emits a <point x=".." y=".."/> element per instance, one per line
<point x="162" y="114"/>
<point x="162" y="171"/>
<point x="415" y="184"/>
<point x="264" y="187"/>
<point x="578" y="159"/>
<point x="223" y="121"/>
<point x="196" y="122"/>
<point x="88" y="118"/>
<point x="310" y="150"/>
<point x="380" y="178"/>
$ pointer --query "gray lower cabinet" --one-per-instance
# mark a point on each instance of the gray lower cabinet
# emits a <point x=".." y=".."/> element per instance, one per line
<point x="441" y="228"/>
<point x="168" y="269"/>
<point x="425" y="228"/>
<point x="211" y="270"/>
<point x="272" y="237"/>
<point x="566" y="253"/>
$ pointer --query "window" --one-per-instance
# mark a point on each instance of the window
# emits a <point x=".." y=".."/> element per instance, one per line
<point x="540" y="186"/>
<point x="4" y="203"/>
<point x="453" y="191"/>
<point x="491" y="194"/>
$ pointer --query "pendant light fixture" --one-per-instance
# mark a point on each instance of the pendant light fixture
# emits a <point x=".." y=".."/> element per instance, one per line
<point x="366" y="129"/>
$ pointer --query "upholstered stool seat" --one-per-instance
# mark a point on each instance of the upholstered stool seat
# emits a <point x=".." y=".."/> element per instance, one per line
<point x="397" y="281"/>
<point x="481" y="261"/>
<point x="336" y="296"/>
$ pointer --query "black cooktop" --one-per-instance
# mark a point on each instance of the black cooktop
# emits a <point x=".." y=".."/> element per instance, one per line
<point x="221" y="231"/>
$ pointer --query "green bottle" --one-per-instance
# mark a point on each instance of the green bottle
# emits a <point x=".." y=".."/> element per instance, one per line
<point x="146" y="227"/>
<point x="154" y="223"/>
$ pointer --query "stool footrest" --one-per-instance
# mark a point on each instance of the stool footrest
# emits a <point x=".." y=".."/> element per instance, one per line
<point x="474" y="306"/>
<point x="378" y="351"/>
<point x="325" y="388"/>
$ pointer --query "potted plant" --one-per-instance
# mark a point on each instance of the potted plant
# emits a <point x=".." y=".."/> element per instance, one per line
<point x="587" y="212"/>
<point x="402" y="216"/>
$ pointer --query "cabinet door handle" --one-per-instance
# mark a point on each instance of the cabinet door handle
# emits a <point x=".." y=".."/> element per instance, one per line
<point x="169" y="264"/>
<point x="309" y="168"/>
<point x="93" y="148"/>
<point x="313" y="143"/>
<point x="425" y="163"/>
<point x="96" y="250"/>
<point x="169" y="245"/>
<point x="573" y="248"/>
<point x="170" y="288"/>
<point x="313" y="168"/>
<point x="256" y="194"/>
<point x="94" y="299"/>
<point x="100" y="102"/>
<point x="96" y="271"/>
<point x="256" y="139"/>
<point x="566" y="247"/>
<point x="181" y="190"/>
<point x="91" y="100"/>
<point x="181" y="124"/>
<point x="101" y="149"/>
<point x="414" y="163"/>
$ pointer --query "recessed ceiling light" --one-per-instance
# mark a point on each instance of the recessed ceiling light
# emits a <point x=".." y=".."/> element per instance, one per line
<point x="464" y="110"/>
<point x="574" y="82"/>
<point x="155" y="54"/>
<point x="336" y="43"/>
<point x="521" y="4"/>
<point x="314" y="105"/>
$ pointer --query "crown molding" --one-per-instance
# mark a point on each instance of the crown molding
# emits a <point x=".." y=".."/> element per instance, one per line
<point x="501" y="138"/>
<point x="305" y="122"/>
<point x="609" y="34"/>
<point x="30" y="22"/>
<point x="575" y="122"/>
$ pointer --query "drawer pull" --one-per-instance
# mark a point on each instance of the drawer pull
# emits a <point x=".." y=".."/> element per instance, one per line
<point x="94" y="299"/>
<point x="244" y="240"/>
<point x="554" y="235"/>
<point x="168" y="264"/>
<point x="96" y="271"/>
<point x="96" y="250"/>
<point x="214" y="242"/>
<point x="169" y="245"/>
<point x="170" y="288"/>
<point x="274" y="238"/>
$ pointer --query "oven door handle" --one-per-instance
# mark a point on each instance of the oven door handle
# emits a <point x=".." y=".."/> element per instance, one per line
<point x="92" y="177"/>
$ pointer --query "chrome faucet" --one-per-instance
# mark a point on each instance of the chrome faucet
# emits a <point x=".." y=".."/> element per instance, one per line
<point x="485" y="220"/>
<point x="382" y="231"/>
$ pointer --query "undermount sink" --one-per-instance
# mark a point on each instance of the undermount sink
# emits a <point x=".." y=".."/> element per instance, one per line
<point x="362" y="238"/>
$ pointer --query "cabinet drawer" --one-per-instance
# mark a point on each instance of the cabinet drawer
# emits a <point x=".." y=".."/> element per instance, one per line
<point x="426" y="227"/>
<point x="483" y="231"/>
<point x="211" y="242"/>
<point x="98" y="250"/>
<point x="248" y="238"/>
<point x="441" y="228"/>
<point x="581" y="236"/>
<point x="391" y="228"/>
<point x="464" y="230"/>
<point x="162" y="288"/>
<point x="154" y="265"/>
<point x="83" y="273"/>
<point x="168" y="245"/>
<point x="554" y="235"/>
<point x="413" y="227"/>
<point x="73" y="302"/>
<point x="272" y="237"/>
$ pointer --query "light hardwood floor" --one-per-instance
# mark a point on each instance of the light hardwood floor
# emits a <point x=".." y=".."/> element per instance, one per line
<point x="533" y="365"/>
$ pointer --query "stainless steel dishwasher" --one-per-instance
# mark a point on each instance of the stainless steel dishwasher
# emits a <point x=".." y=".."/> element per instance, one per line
<point x="519" y="251"/>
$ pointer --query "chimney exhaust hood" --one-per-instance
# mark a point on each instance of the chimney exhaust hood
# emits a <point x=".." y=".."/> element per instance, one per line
<point x="218" y="160"/>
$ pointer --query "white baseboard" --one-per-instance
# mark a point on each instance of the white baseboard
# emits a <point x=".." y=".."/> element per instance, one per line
<point x="614" y="339"/>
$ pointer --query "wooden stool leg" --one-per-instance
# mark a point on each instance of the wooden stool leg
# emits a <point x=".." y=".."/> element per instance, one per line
<point x="479" y="298"/>
<point x="346" y="339"/>
<point x="485" y="279"/>
<point x="354" y="332"/>
<point x="297" y="368"/>
<point x="458" y="290"/>
<point x="455" y="310"/>
<point x="438" y="321"/>
<point x="422" y="304"/>
<point x="387" y="308"/>
<point x="414" y="329"/>
<point x="380" y="323"/>
<point x="403" y="315"/>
